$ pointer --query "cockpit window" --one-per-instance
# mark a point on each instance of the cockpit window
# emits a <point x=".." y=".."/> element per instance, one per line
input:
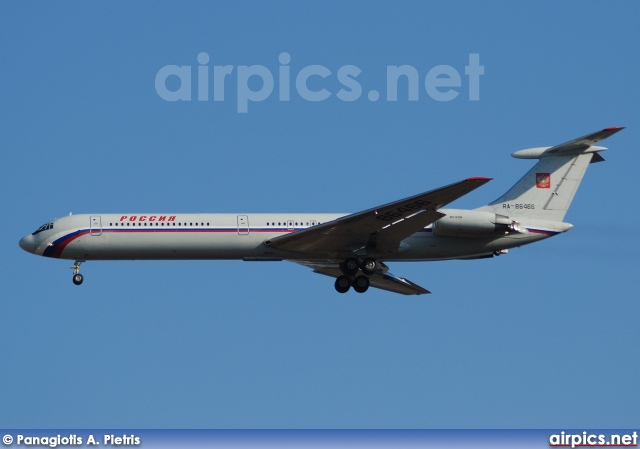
<point x="44" y="227"/>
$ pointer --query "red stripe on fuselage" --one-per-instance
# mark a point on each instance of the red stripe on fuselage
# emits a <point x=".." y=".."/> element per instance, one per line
<point x="61" y="246"/>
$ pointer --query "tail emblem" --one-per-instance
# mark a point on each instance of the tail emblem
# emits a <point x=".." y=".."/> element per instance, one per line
<point x="543" y="180"/>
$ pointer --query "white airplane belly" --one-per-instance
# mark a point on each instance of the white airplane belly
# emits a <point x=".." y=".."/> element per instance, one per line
<point x="165" y="244"/>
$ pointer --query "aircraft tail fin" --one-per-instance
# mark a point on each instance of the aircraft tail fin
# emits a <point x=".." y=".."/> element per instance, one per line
<point x="546" y="191"/>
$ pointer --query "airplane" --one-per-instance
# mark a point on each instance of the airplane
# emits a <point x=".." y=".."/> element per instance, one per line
<point x="352" y="248"/>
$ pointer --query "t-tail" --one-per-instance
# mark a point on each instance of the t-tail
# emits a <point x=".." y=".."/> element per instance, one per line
<point x="546" y="191"/>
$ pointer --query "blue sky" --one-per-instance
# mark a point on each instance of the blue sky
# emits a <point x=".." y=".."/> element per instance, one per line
<point x="545" y="337"/>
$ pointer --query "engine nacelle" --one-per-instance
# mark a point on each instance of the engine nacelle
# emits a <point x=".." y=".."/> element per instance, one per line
<point x="473" y="223"/>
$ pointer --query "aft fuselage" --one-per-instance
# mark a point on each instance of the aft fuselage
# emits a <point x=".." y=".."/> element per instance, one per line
<point x="237" y="236"/>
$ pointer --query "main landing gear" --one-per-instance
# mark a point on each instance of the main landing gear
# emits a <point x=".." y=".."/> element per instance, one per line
<point x="77" y="277"/>
<point x="350" y="268"/>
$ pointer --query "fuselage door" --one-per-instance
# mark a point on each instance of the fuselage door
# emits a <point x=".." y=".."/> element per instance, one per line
<point x="95" y="225"/>
<point x="243" y="225"/>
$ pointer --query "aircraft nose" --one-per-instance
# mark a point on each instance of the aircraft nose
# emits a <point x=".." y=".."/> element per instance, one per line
<point x="28" y="243"/>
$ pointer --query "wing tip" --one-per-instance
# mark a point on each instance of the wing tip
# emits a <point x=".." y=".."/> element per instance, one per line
<point x="615" y="128"/>
<point x="479" y="178"/>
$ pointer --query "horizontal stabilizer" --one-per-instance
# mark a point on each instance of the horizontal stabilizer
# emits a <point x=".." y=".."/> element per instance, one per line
<point x="581" y="145"/>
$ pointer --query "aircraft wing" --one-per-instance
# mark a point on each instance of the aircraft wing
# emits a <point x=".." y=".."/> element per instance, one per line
<point x="380" y="279"/>
<point x="380" y="229"/>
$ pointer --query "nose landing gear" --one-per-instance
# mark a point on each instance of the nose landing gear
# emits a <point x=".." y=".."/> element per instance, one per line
<point x="77" y="277"/>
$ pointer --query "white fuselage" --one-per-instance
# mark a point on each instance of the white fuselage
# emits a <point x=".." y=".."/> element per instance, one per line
<point x="238" y="236"/>
<point x="352" y="248"/>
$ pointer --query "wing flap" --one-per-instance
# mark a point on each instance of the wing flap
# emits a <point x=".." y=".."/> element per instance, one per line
<point x="395" y="284"/>
<point x="388" y="239"/>
<point x="381" y="279"/>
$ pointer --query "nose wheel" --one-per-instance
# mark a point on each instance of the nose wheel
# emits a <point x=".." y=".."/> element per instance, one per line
<point x="77" y="277"/>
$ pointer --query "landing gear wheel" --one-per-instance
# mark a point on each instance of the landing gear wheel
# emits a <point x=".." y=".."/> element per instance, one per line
<point x="369" y="266"/>
<point x="343" y="284"/>
<point x="350" y="266"/>
<point x="361" y="284"/>
<point x="78" y="278"/>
